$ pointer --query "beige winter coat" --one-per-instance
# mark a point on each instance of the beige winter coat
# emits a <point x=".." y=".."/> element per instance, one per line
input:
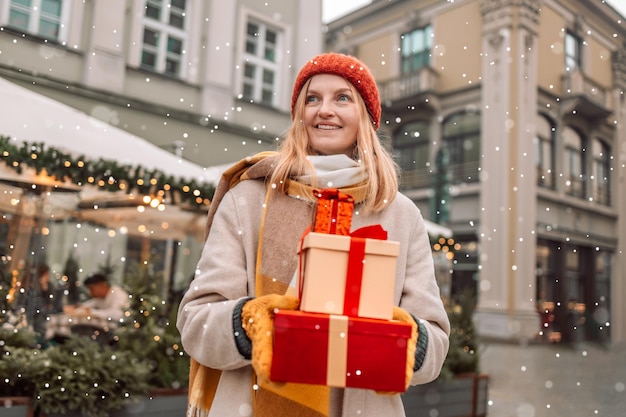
<point x="226" y="274"/>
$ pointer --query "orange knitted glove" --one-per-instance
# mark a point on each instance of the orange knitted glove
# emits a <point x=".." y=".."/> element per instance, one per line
<point x="257" y="319"/>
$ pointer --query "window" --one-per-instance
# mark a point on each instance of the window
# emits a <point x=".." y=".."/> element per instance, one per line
<point x="415" y="48"/>
<point x="164" y="36"/>
<point x="572" y="51"/>
<point x="545" y="273"/>
<point x="573" y="291"/>
<point x="260" y="68"/>
<point x="574" y="163"/>
<point x="574" y="277"/>
<point x="544" y="152"/>
<point x="461" y="138"/>
<point x="41" y="17"/>
<point x="601" y="314"/>
<point x="411" y="151"/>
<point x="601" y="172"/>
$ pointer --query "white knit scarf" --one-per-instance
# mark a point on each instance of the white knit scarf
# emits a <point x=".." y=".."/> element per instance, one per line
<point x="334" y="171"/>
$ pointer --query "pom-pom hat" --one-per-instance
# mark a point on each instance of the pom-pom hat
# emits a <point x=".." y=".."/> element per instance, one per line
<point x="351" y="69"/>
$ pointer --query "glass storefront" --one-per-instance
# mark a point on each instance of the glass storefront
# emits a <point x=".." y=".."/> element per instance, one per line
<point x="573" y="292"/>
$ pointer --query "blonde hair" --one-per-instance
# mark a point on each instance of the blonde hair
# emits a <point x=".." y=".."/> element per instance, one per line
<point x="382" y="172"/>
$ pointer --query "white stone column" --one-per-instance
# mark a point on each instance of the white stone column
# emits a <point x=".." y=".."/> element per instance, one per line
<point x="222" y="46"/>
<point x="618" y="283"/>
<point x="524" y="189"/>
<point x="508" y="191"/>
<point x="104" y="56"/>
<point x="491" y="317"/>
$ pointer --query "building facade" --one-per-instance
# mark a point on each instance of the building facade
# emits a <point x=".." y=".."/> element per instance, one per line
<point x="208" y="80"/>
<point x="508" y="119"/>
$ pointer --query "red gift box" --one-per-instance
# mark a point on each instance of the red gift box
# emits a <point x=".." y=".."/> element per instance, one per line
<point x="333" y="212"/>
<point x="340" y="351"/>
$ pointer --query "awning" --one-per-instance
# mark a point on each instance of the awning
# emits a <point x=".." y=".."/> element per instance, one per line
<point x="134" y="216"/>
<point x="27" y="116"/>
<point x="436" y="230"/>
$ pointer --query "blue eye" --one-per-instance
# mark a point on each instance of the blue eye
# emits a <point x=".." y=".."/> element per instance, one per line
<point x="343" y="97"/>
<point x="311" y="99"/>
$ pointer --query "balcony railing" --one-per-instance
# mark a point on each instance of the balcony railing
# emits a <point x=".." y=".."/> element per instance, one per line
<point x="423" y="178"/>
<point x="576" y="83"/>
<point x="423" y="80"/>
<point x="575" y="186"/>
<point x="417" y="178"/>
<point x="545" y="178"/>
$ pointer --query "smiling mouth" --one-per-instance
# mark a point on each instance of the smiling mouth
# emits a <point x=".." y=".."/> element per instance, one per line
<point x="327" y="127"/>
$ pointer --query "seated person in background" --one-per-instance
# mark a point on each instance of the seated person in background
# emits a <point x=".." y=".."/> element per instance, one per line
<point x="39" y="299"/>
<point x="107" y="301"/>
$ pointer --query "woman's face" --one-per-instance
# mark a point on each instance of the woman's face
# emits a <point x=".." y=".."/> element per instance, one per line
<point x="331" y="115"/>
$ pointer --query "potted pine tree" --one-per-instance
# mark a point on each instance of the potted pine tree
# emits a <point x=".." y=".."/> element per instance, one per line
<point x="17" y="349"/>
<point x="461" y="390"/>
<point x="149" y="330"/>
<point x="82" y="377"/>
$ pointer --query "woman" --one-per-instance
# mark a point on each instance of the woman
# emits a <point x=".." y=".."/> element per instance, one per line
<point x="260" y="210"/>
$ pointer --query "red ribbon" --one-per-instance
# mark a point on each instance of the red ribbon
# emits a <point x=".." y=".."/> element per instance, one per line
<point x="354" y="277"/>
<point x="354" y="274"/>
<point x="332" y="194"/>
<point x="333" y="216"/>
<point x="374" y="231"/>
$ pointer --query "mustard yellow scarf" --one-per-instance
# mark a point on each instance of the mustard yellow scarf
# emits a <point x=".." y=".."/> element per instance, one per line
<point x="271" y="400"/>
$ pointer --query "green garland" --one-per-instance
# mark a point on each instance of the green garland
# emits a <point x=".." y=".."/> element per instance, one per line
<point x="105" y="174"/>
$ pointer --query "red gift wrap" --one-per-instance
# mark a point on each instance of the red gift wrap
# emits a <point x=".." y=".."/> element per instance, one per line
<point x="340" y="351"/>
<point x="333" y="212"/>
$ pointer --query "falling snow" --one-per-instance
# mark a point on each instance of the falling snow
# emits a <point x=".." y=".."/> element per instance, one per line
<point x="532" y="379"/>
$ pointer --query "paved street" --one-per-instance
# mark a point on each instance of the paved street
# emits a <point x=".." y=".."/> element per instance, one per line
<point x="550" y="380"/>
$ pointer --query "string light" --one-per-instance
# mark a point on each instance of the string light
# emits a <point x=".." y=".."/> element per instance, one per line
<point x="447" y="246"/>
<point x="106" y="174"/>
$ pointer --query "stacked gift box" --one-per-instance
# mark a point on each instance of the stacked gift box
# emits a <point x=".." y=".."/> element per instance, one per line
<point x="343" y="334"/>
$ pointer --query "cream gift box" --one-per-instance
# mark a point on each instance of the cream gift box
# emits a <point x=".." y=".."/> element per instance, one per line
<point x="348" y="275"/>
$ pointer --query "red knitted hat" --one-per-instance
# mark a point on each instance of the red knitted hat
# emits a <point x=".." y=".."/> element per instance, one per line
<point x="351" y="69"/>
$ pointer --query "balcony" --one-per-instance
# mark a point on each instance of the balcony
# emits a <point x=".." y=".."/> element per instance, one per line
<point x="584" y="97"/>
<point x="416" y="179"/>
<point x="408" y="87"/>
<point x="464" y="173"/>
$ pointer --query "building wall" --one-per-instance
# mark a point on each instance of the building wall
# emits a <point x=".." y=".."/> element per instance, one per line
<point x="503" y="60"/>
<point x="457" y="59"/>
<point x="506" y="60"/>
<point x="96" y="68"/>
<point x="550" y="49"/>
